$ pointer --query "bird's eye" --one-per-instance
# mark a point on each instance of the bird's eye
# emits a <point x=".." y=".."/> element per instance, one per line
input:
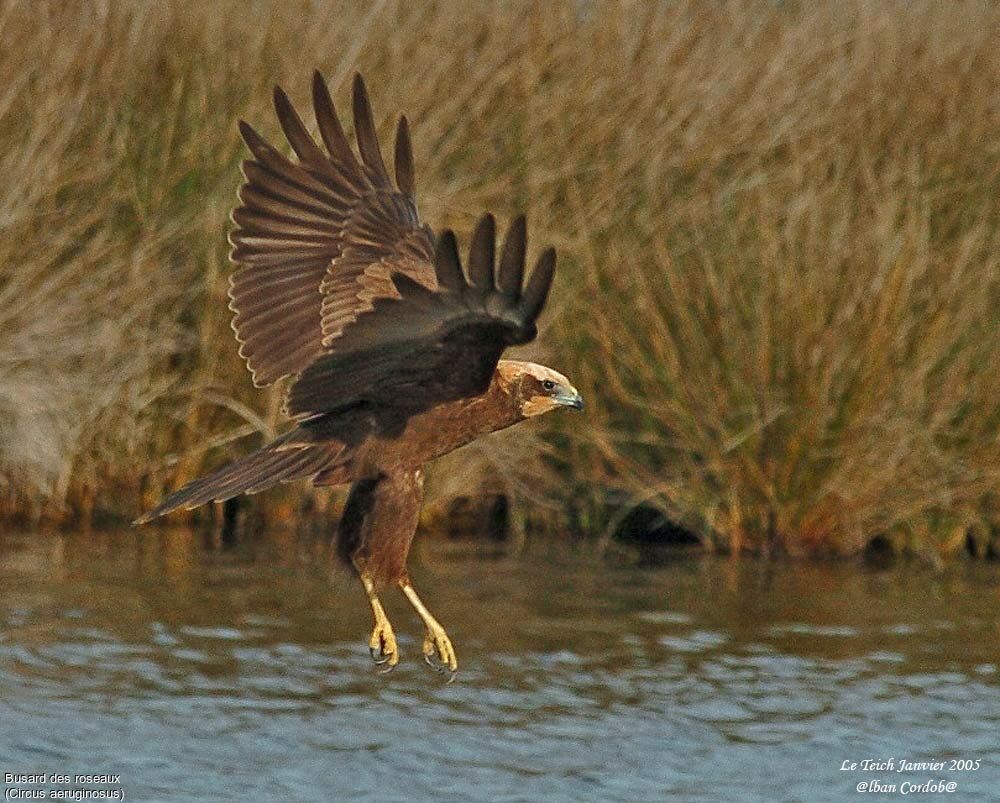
<point x="548" y="384"/>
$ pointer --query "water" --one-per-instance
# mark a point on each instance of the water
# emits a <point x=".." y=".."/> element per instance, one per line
<point x="202" y="672"/>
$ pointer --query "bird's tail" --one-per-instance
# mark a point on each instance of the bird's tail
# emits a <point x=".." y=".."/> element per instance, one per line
<point x="282" y="460"/>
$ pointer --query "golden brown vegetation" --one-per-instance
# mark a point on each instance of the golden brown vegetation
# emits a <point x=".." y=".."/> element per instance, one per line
<point x="779" y="280"/>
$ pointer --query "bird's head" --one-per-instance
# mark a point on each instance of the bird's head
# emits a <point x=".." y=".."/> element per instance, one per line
<point x="538" y="389"/>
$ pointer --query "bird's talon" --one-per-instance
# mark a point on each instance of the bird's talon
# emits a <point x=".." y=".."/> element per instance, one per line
<point x="439" y="655"/>
<point x="386" y="661"/>
<point x="382" y="646"/>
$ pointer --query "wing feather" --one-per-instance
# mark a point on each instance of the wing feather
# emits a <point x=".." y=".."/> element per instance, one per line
<point x="404" y="160"/>
<point x="298" y="137"/>
<point x="482" y="254"/>
<point x="512" y="259"/>
<point x="447" y="264"/>
<point x="537" y="291"/>
<point x="330" y="128"/>
<point x="424" y="346"/>
<point x="364" y="130"/>
<point x="316" y="239"/>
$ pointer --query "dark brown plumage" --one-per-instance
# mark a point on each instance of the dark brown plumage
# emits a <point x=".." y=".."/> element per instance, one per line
<point x="394" y="350"/>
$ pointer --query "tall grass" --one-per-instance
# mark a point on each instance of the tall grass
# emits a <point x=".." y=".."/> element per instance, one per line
<point x="777" y="227"/>
<point x="811" y="355"/>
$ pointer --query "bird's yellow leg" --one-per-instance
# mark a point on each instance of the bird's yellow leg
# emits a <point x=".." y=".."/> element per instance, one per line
<point x="382" y="644"/>
<point x="438" y="651"/>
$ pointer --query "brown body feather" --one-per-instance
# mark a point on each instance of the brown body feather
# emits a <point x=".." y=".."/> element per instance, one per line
<point x="329" y="453"/>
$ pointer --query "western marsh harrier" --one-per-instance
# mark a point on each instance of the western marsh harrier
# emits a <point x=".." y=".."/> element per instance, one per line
<point x="394" y="350"/>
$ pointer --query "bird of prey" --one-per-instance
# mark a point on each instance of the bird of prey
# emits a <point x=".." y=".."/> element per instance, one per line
<point x="392" y="348"/>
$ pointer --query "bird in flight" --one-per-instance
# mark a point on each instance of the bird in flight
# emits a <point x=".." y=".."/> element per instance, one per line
<point x="392" y="348"/>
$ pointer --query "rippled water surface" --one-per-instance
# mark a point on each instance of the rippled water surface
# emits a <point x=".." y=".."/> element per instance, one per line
<point x="199" y="671"/>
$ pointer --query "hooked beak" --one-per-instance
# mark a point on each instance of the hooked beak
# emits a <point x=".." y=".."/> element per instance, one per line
<point x="572" y="399"/>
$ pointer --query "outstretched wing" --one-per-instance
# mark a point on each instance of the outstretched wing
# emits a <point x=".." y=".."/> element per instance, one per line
<point x="430" y="346"/>
<point x="317" y="240"/>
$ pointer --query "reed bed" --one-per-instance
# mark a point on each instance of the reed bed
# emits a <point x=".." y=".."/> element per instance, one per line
<point x="777" y="223"/>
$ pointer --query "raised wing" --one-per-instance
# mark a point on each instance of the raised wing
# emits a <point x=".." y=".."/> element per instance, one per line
<point x="429" y="346"/>
<point x="318" y="239"/>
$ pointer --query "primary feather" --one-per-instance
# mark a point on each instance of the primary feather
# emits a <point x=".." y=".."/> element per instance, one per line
<point x="318" y="239"/>
<point x="426" y="347"/>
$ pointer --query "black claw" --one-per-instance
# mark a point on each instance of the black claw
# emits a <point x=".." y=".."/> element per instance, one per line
<point x="388" y="669"/>
<point x="440" y="666"/>
<point x="435" y="663"/>
<point x="378" y="656"/>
